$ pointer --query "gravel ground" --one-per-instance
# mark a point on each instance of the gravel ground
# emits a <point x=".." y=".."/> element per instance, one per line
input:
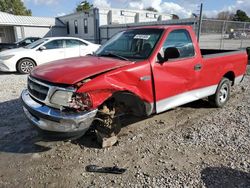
<point x="190" y="146"/>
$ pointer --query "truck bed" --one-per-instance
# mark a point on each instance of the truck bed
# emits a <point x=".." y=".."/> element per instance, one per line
<point x="217" y="52"/>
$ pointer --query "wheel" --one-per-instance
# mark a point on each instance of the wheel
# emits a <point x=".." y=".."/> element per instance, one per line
<point x="25" y="66"/>
<point x="108" y="122"/>
<point x="222" y="95"/>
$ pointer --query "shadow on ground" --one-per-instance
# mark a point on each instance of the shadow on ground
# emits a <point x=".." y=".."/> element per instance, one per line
<point x="10" y="73"/>
<point x="16" y="134"/>
<point x="89" y="140"/>
<point x="224" y="177"/>
<point x="198" y="104"/>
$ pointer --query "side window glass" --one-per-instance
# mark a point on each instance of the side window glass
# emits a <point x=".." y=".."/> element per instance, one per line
<point x="55" y="44"/>
<point x="181" y="40"/>
<point x="28" y="41"/>
<point x="33" y="40"/>
<point x="72" y="43"/>
<point x="82" y="43"/>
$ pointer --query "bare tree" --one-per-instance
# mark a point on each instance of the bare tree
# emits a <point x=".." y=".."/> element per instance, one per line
<point x="151" y="9"/>
<point x="225" y="15"/>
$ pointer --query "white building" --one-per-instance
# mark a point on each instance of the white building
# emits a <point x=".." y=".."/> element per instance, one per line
<point x="86" y="24"/>
<point x="14" y="28"/>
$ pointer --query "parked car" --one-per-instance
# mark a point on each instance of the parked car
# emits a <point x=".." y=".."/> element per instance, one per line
<point x="42" y="51"/>
<point x="140" y="71"/>
<point x="21" y="43"/>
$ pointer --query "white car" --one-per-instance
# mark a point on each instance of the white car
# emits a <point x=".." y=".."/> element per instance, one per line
<point x="44" y="50"/>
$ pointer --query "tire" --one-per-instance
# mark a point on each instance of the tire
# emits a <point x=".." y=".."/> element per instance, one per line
<point x="25" y="66"/>
<point x="222" y="95"/>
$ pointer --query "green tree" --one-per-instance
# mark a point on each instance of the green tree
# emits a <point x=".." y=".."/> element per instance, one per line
<point x="241" y="16"/>
<point x="175" y="17"/>
<point x="83" y="6"/>
<point x="151" y="9"/>
<point x="14" y="7"/>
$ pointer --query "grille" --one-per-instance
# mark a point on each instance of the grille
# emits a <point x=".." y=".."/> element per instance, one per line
<point x="37" y="90"/>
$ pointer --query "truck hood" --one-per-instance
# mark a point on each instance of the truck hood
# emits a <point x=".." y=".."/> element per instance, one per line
<point x="73" y="70"/>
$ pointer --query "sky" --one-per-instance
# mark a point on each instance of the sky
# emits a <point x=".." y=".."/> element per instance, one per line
<point x="183" y="8"/>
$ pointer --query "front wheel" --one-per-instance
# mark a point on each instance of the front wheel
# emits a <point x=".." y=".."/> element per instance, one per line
<point x="25" y="66"/>
<point x="222" y="95"/>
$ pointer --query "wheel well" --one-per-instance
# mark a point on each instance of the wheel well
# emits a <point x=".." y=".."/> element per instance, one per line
<point x="128" y="102"/>
<point x="24" y="58"/>
<point x="231" y="76"/>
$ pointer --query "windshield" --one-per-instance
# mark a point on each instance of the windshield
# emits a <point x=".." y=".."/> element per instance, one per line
<point x="36" y="43"/>
<point x="19" y="41"/>
<point x="132" y="44"/>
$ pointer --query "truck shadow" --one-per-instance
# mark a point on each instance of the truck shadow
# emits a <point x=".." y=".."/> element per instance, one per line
<point x="89" y="140"/>
<point x="16" y="134"/>
<point x="202" y="103"/>
<point x="214" y="177"/>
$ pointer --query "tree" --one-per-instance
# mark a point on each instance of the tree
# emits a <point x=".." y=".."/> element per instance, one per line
<point x="225" y="15"/>
<point x="175" y="17"/>
<point x="84" y="6"/>
<point x="14" y="7"/>
<point x="204" y="16"/>
<point x="151" y="9"/>
<point x="241" y="16"/>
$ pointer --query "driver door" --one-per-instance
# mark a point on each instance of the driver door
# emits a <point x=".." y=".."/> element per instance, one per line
<point x="174" y="78"/>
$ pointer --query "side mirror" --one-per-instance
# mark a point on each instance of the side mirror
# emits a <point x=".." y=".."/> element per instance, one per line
<point x="171" y="53"/>
<point x="41" y="48"/>
<point x="160" y="58"/>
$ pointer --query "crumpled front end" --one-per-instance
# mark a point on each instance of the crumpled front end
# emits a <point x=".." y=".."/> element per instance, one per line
<point x="42" y="111"/>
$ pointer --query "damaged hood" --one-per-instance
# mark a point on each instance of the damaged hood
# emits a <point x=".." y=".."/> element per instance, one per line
<point x="73" y="70"/>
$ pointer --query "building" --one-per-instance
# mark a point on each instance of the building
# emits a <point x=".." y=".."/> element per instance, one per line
<point x="14" y="28"/>
<point x="107" y="31"/>
<point x="86" y="24"/>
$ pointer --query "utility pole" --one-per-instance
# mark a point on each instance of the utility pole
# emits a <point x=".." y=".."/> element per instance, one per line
<point x="200" y="22"/>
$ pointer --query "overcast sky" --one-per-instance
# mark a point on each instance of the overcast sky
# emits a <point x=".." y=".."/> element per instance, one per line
<point x="183" y="8"/>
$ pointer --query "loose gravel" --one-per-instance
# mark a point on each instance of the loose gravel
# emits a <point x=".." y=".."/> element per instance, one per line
<point x="194" y="145"/>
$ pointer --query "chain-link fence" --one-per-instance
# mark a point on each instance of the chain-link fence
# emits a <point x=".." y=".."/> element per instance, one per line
<point x="219" y="34"/>
<point x="215" y="34"/>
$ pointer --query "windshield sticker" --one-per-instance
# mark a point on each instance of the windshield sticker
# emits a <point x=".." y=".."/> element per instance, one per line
<point x="144" y="37"/>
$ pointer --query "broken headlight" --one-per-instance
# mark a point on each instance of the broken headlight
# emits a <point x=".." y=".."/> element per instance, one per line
<point x="71" y="99"/>
<point x="81" y="101"/>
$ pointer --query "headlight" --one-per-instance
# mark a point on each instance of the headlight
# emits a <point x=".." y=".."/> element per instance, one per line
<point x="62" y="98"/>
<point x="6" y="57"/>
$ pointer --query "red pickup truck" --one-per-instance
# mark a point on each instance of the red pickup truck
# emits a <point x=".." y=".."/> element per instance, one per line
<point x="140" y="71"/>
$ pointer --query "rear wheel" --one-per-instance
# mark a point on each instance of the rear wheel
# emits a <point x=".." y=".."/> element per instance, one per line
<point x="222" y="95"/>
<point x="25" y="66"/>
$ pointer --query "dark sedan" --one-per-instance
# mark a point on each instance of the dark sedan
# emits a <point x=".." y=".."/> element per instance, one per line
<point x="21" y="43"/>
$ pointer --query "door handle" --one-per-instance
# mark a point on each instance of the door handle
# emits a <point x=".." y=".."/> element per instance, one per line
<point x="197" y="67"/>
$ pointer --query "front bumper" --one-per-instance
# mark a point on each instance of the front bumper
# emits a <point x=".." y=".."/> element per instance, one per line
<point x="51" y="119"/>
<point x="3" y="67"/>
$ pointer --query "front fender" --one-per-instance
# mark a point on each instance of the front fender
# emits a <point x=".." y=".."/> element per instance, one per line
<point x="126" y="78"/>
